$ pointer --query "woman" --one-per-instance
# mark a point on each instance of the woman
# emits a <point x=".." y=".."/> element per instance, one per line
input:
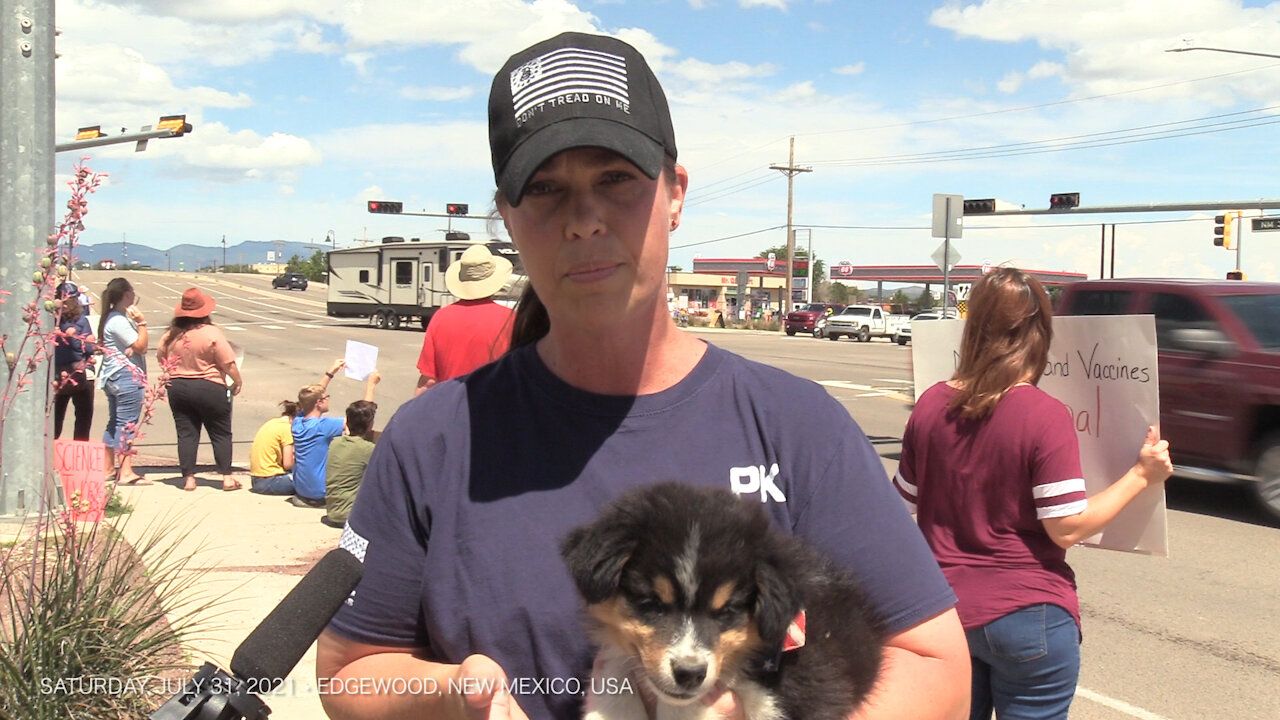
<point x="199" y="360"/>
<point x="992" y="465"/>
<point x="72" y="365"/>
<point x="271" y="455"/>
<point x="122" y="336"/>
<point x="472" y="485"/>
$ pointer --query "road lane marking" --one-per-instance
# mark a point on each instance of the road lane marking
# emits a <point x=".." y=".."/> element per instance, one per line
<point x="274" y="327"/>
<point x="845" y="385"/>
<point x="313" y="327"/>
<point x="1118" y="705"/>
<point x="237" y="328"/>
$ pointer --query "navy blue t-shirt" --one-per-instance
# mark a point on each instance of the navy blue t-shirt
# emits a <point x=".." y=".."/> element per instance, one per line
<point x="473" y="484"/>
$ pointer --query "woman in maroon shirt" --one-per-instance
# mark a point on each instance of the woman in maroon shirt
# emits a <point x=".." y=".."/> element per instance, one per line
<point x="991" y="467"/>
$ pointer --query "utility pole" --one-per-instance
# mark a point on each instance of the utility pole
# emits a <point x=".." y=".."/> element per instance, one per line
<point x="790" y="171"/>
<point x="224" y="253"/>
<point x="27" y="198"/>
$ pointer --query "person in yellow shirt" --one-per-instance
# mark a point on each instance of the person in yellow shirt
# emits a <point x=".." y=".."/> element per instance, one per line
<point x="271" y="455"/>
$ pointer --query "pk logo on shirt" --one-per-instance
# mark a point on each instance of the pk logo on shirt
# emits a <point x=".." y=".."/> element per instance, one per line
<point x="754" y="478"/>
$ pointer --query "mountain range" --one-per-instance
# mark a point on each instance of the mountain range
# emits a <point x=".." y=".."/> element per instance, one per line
<point x="194" y="257"/>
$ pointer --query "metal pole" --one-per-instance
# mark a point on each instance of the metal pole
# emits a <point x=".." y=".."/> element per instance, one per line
<point x="1239" y="237"/>
<point x="1102" y="253"/>
<point x="1113" y="251"/>
<point x="812" y="278"/>
<point x="946" y="259"/>
<point x="27" y="199"/>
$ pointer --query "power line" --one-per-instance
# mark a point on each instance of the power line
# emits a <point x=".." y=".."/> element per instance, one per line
<point x="987" y="113"/>
<point x="1105" y="138"/>
<point x="891" y="228"/>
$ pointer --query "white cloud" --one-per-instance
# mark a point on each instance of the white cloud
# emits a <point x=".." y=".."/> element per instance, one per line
<point x="718" y="76"/>
<point x="439" y="94"/>
<point x="216" y="153"/>
<point x="779" y="4"/>
<point x="797" y="94"/>
<point x="854" y="69"/>
<point x="1110" y="46"/>
<point x="359" y="61"/>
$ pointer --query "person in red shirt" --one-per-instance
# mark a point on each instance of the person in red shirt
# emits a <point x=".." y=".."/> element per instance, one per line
<point x="991" y="467"/>
<point x="473" y="331"/>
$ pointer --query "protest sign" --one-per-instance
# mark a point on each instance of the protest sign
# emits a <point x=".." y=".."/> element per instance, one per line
<point x="362" y="360"/>
<point x="82" y="466"/>
<point x="1104" y="369"/>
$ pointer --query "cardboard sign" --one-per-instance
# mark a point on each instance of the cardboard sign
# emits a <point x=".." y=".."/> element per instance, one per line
<point x="1105" y="369"/>
<point x="82" y="465"/>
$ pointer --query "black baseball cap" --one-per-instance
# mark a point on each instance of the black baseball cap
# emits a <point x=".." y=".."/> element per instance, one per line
<point x="575" y="90"/>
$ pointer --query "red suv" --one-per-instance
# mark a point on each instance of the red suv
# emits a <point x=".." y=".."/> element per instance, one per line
<point x="810" y="319"/>
<point x="1219" y="351"/>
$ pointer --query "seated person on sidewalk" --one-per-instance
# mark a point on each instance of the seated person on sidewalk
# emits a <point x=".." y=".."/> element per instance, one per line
<point x="271" y="455"/>
<point x="312" y="433"/>
<point x="348" y="457"/>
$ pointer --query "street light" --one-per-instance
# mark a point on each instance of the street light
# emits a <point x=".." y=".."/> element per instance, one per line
<point x="1223" y="50"/>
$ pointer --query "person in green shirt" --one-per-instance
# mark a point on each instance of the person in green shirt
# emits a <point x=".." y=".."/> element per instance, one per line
<point x="348" y="456"/>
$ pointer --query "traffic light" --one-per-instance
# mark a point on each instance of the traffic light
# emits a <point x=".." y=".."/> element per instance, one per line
<point x="979" y="207"/>
<point x="1064" y="201"/>
<point x="385" y="206"/>
<point x="1222" y="229"/>
<point x="1235" y="275"/>
<point x="456" y="208"/>
<point x="177" y="123"/>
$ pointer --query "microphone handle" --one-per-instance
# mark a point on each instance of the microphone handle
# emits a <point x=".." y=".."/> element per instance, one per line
<point x="213" y="694"/>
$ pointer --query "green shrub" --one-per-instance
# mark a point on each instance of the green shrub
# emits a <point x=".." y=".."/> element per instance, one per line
<point x="82" y="603"/>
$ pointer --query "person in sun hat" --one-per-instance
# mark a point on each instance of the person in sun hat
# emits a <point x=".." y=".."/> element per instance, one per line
<point x="203" y="377"/>
<point x="475" y="329"/>
<point x="471" y="487"/>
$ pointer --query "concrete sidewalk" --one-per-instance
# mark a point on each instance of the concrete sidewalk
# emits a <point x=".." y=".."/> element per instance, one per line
<point x="257" y="548"/>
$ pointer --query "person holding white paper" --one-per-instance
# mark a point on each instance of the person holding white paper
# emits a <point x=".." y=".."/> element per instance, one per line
<point x="312" y="433"/>
<point x="991" y="467"/>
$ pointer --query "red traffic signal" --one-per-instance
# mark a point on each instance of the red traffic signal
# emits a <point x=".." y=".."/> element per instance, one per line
<point x="1235" y="275"/>
<point x="385" y="206"/>
<point x="1064" y="201"/>
<point x="456" y="208"/>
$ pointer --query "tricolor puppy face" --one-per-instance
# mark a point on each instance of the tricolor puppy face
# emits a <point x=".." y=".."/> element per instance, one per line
<point x="684" y="582"/>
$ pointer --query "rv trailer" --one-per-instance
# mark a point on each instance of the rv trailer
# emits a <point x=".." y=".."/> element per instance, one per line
<point x="397" y="282"/>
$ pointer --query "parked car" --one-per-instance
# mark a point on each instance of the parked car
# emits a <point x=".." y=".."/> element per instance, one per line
<point x="1219" y="367"/>
<point x="863" y="322"/>
<point x="904" y="331"/>
<point x="810" y="319"/>
<point x="290" y="281"/>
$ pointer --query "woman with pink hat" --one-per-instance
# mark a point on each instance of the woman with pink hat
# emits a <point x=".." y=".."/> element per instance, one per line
<point x="199" y="360"/>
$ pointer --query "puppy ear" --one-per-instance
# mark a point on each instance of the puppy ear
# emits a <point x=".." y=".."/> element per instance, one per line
<point x="595" y="555"/>
<point x="777" y="601"/>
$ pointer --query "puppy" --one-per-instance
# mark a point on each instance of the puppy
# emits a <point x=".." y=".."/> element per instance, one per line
<point x="693" y="588"/>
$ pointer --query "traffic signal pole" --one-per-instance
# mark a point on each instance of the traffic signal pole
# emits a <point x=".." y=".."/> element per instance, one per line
<point x="27" y="199"/>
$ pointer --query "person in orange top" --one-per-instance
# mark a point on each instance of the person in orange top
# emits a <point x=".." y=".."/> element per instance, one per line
<point x="200" y="360"/>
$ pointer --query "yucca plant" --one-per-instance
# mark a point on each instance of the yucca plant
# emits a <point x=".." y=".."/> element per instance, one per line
<point x="95" y="625"/>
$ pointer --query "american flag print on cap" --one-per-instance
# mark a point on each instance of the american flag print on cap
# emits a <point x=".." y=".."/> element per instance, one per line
<point x="567" y="71"/>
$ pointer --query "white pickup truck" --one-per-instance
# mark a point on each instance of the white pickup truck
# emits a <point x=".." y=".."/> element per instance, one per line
<point x="863" y="322"/>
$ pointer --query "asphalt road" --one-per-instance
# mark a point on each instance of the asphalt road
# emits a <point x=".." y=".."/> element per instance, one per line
<point x="1195" y="635"/>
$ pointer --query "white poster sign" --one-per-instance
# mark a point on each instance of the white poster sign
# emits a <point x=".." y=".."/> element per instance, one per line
<point x="362" y="359"/>
<point x="1103" y="368"/>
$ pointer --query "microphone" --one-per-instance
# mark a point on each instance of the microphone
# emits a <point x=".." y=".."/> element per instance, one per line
<point x="270" y="652"/>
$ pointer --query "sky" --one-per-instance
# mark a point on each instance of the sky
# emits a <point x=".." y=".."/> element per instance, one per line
<point x="302" y="110"/>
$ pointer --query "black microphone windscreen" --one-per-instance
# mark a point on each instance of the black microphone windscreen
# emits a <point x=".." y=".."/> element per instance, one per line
<point x="269" y="653"/>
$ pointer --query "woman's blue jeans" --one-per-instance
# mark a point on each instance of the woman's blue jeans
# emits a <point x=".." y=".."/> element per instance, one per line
<point x="1025" y="665"/>
<point x="125" y="394"/>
